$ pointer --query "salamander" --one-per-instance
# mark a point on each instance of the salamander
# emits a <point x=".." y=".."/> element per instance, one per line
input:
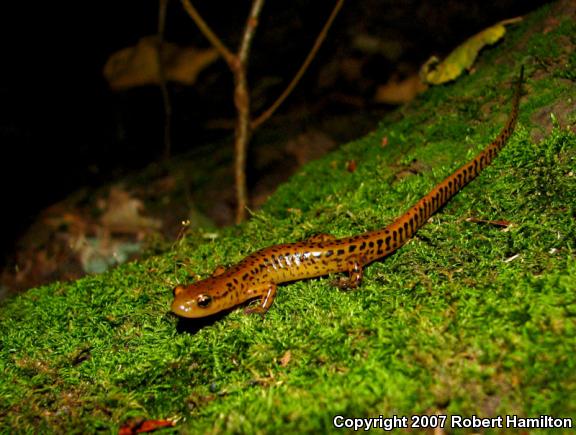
<point x="258" y="275"/>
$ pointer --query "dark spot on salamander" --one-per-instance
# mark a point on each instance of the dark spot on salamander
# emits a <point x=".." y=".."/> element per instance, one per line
<point x="351" y="248"/>
<point x="363" y="246"/>
<point x="370" y="244"/>
<point x="245" y="276"/>
<point x="341" y="252"/>
<point x="329" y="253"/>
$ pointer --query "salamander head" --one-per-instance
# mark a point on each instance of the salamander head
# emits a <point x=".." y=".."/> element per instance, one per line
<point x="200" y="299"/>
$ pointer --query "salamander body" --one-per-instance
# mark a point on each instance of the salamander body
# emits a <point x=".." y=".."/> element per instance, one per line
<point x="258" y="275"/>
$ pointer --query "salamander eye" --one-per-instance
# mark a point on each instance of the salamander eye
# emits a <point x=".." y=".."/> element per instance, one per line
<point x="204" y="301"/>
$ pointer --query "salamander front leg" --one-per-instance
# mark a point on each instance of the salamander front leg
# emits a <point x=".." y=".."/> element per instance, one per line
<point x="354" y="275"/>
<point x="321" y="238"/>
<point x="219" y="270"/>
<point x="267" y="293"/>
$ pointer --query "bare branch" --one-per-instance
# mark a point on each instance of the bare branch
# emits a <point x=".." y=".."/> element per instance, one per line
<point x="242" y="103"/>
<point x="249" y="31"/>
<point x="238" y="64"/>
<point x="319" y="40"/>
<point x="228" y="56"/>
<point x="241" y="139"/>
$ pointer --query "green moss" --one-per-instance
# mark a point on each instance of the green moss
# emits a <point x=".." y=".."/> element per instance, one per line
<point x="465" y="319"/>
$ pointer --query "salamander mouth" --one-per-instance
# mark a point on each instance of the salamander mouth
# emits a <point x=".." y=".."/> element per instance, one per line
<point x="184" y="308"/>
<point x="179" y="309"/>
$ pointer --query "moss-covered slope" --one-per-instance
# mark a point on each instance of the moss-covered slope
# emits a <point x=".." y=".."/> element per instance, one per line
<point x="467" y="318"/>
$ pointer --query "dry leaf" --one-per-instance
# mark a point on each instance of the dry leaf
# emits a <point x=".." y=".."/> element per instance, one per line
<point x="400" y="92"/>
<point x="144" y="426"/>
<point x="138" y="65"/>
<point x="123" y="214"/>
<point x="351" y="165"/>
<point x="285" y="359"/>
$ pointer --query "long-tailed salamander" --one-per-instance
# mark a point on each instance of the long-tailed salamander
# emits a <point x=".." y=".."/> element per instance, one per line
<point x="258" y="275"/>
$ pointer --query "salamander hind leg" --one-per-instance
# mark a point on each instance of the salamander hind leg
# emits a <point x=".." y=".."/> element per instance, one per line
<point x="354" y="277"/>
<point x="267" y="293"/>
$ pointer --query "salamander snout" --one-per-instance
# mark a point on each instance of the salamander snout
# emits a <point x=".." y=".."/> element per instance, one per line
<point x="190" y="301"/>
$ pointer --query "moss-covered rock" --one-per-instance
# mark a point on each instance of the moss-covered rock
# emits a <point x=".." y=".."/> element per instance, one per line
<point x="466" y="319"/>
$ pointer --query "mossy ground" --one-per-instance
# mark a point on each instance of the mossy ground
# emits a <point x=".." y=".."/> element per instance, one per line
<point x="465" y="319"/>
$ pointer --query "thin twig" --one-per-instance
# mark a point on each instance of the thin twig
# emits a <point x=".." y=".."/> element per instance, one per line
<point x="319" y="40"/>
<point x="228" y="56"/>
<point x="241" y="138"/>
<point x="250" y="30"/>
<point x="163" y="4"/>
<point x="242" y="103"/>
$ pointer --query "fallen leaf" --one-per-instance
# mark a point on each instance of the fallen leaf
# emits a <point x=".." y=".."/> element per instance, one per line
<point x="138" y="65"/>
<point x="462" y="57"/>
<point x="123" y="214"/>
<point x="351" y="165"/>
<point x="285" y="359"/>
<point x="400" y="92"/>
<point x="143" y="426"/>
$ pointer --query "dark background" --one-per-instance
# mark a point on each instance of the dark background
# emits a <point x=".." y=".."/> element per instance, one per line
<point x="62" y="128"/>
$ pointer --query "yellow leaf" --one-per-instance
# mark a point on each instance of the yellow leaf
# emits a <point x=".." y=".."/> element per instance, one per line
<point x="462" y="57"/>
